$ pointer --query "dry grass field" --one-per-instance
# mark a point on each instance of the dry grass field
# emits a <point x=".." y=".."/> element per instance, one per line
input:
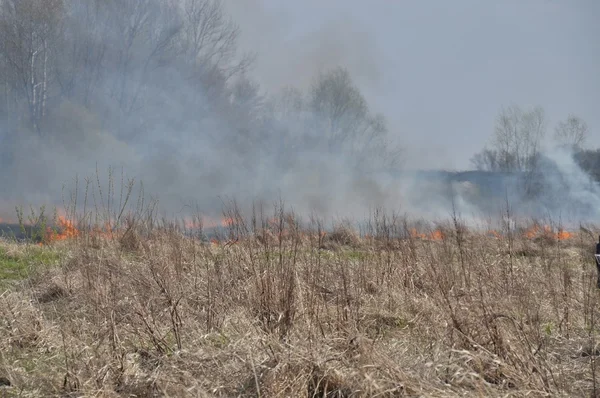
<point x="273" y="309"/>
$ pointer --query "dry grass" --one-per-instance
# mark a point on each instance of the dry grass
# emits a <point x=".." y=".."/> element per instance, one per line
<point x="276" y="313"/>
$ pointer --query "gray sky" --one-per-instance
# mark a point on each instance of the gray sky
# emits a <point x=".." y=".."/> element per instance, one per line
<point x="438" y="70"/>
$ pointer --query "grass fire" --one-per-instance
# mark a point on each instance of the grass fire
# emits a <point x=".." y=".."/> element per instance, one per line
<point x="283" y="306"/>
<point x="379" y="199"/>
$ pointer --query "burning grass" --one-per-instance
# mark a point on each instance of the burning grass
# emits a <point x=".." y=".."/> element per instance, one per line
<point x="546" y="231"/>
<point x="272" y="308"/>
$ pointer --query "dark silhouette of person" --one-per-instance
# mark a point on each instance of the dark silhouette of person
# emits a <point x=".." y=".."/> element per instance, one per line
<point x="598" y="261"/>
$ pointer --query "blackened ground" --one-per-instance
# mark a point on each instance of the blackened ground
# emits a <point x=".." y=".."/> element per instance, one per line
<point x="29" y="233"/>
<point x="14" y="231"/>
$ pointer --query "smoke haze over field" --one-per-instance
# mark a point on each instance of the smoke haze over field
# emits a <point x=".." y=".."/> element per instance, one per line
<point x="134" y="85"/>
<point x="438" y="70"/>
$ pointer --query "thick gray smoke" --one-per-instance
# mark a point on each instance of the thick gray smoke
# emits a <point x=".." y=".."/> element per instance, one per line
<point x="134" y="86"/>
<point x="558" y="190"/>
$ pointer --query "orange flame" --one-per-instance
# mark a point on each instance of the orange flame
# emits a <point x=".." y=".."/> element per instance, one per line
<point x="227" y="222"/>
<point x="66" y="230"/>
<point x="537" y="231"/>
<point x="493" y="233"/>
<point x="435" y="235"/>
<point x="415" y="234"/>
<point x="532" y="232"/>
<point x="208" y="222"/>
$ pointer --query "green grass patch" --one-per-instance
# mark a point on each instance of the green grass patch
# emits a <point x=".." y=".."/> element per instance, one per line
<point x="42" y="256"/>
<point x="10" y="267"/>
<point x="356" y="255"/>
<point x="18" y="265"/>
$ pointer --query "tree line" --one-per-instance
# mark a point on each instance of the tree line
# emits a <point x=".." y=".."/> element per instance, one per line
<point x="518" y="141"/>
<point x="130" y="67"/>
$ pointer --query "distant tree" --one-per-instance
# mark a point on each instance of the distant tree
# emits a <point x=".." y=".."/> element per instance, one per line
<point x="81" y="66"/>
<point x="516" y="142"/>
<point x="589" y="161"/>
<point x="31" y="31"/>
<point x="209" y="38"/>
<point x="142" y="38"/>
<point x="571" y="133"/>
<point x="246" y="114"/>
<point x="486" y="160"/>
<point x="345" y="123"/>
<point x="518" y="136"/>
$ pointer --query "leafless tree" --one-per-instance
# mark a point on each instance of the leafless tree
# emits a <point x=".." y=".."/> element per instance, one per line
<point x="344" y="120"/>
<point x="518" y="136"/>
<point x="30" y="31"/>
<point x="571" y="132"/>
<point x="486" y="160"/>
<point x="80" y="69"/>
<point x="209" y="37"/>
<point x="142" y="39"/>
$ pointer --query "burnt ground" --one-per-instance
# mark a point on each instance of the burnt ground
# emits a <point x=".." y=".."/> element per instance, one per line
<point x="14" y="231"/>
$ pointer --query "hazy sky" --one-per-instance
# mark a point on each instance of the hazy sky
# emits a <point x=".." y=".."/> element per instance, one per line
<point x="438" y="70"/>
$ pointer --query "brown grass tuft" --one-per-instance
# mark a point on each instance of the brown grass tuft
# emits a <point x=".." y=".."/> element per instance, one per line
<point x="343" y="234"/>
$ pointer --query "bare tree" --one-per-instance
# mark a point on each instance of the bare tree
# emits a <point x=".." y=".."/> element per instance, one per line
<point x="571" y="132"/>
<point x="142" y="39"/>
<point x="339" y="103"/>
<point x="344" y="121"/>
<point x="81" y="66"/>
<point x="517" y="138"/>
<point x="246" y="115"/>
<point x="209" y="37"/>
<point x="589" y="161"/>
<point x="30" y="31"/>
<point x="486" y="160"/>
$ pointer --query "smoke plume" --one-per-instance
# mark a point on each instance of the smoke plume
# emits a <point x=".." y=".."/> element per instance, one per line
<point x="136" y="87"/>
